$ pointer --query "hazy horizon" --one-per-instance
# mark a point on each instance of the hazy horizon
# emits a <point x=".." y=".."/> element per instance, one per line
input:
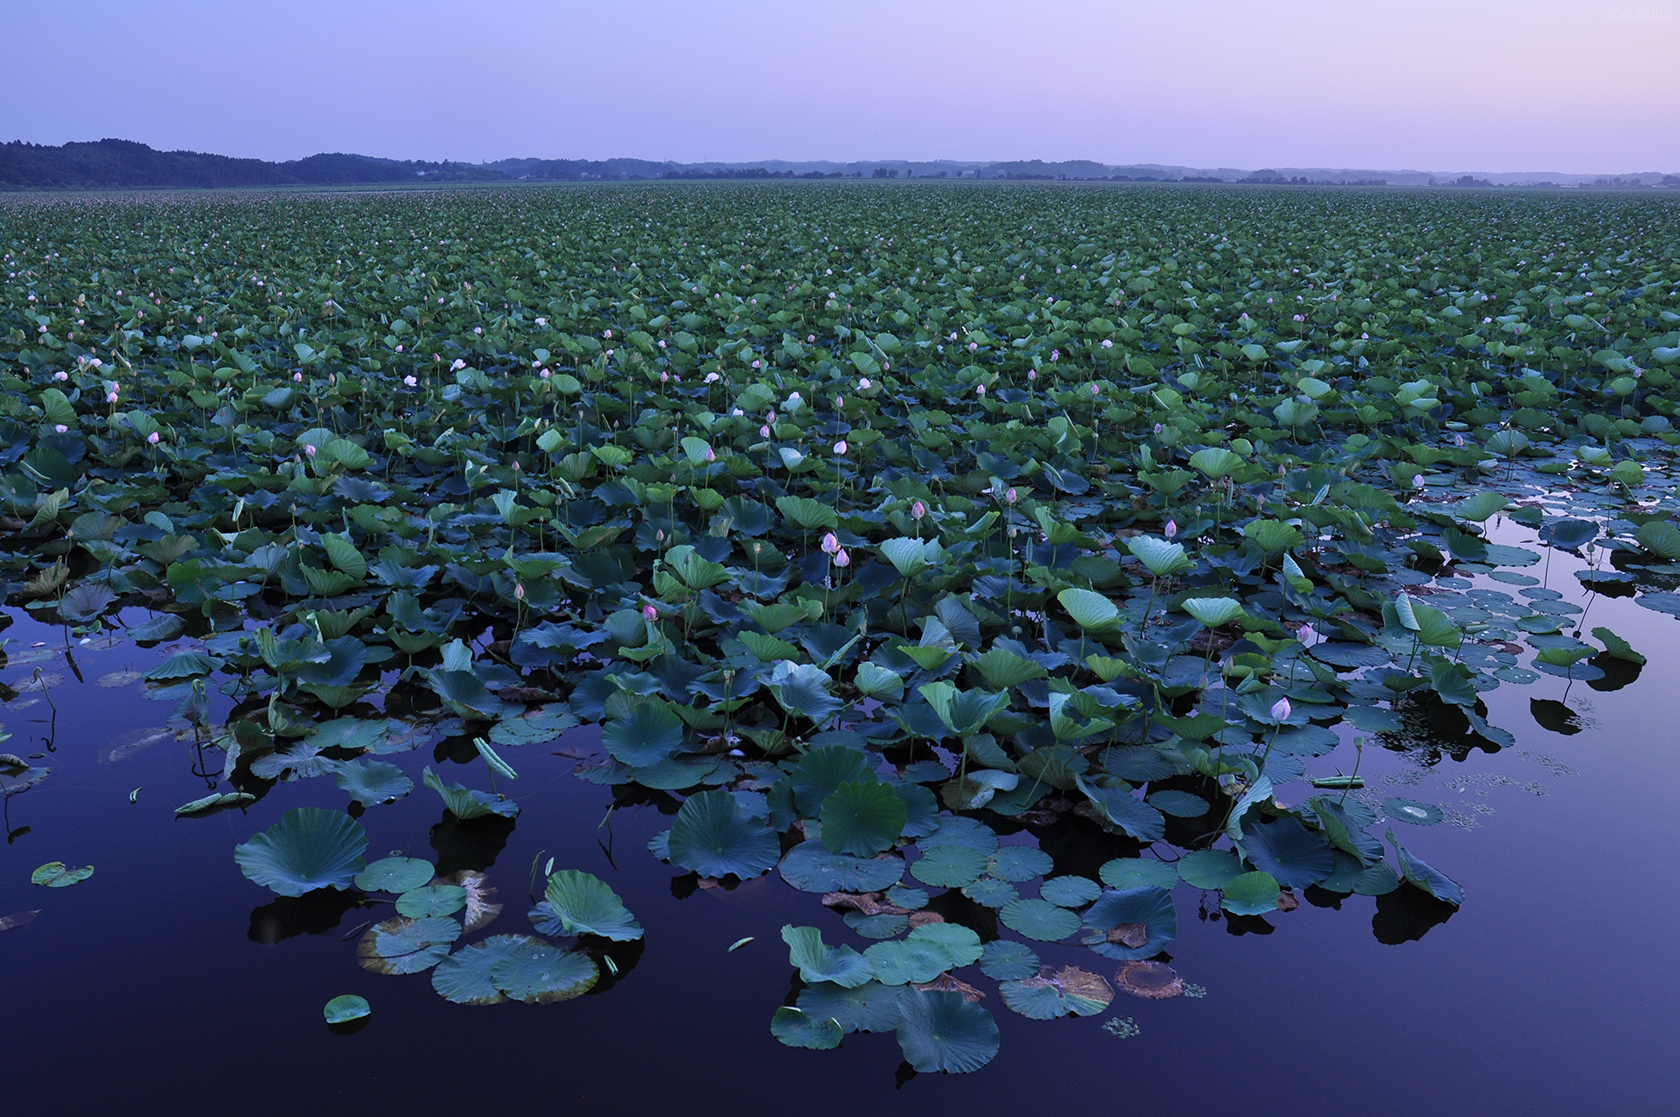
<point x="1544" y="86"/>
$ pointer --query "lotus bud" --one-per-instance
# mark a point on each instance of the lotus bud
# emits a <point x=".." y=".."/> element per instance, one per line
<point x="410" y="381"/>
<point x="1307" y="634"/>
<point x="1032" y="374"/>
<point x="764" y="432"/>
<point x="830" y="543"/>
<point x="297" y="378"/>
<point x="840" y="448"/>
<point x="519" y="591"/>
<point x="153" y="439"/>
<point x="918" y="510"/>
<point x="650" y="612"/>
<point x="1171" y="529"/>
<point x="309" y="449"/>
<point x="60" y="428"/>
<point x="864" y="385"/>
<point x="980" y="390"/>
<point x="1280" y="710"/>
<point x="1417" y="481"/>
<point x="841" y="558"/>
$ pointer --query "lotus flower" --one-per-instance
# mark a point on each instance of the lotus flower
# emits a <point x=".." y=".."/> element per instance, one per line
<point x="1281" y="710"/>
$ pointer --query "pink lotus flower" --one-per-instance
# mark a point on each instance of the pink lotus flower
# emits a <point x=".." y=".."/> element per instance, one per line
<point x="864" y="385"/>
<point x="830" y="543"/>
<point x="764" y="432"/>
<point x="309" y="449"/>
<point x="650" y="612"/>
<point x="110" y="397"/>
<point x="61" y="376"/>
<point x="297" y="377"/>
<point x="1307" y="634"/>
<point x="152" y="438"/>
<point x="841" y="558"/>
<point x="1280" y="710"/>
<point x="519" y="591"/>
<point x="410" y="381"/>
<point x="840" y="448"/>
<point x="60" y="428"/>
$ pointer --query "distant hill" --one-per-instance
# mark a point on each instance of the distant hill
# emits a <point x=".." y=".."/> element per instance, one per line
<point x="125" y="164"/>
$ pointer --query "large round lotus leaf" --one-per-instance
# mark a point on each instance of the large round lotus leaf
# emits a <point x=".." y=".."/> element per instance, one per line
<point x="308" y="848"/>
<point x="1069" y="892"/>
<point x="540" y="973"/>
<point x="952" y="866"/>
<point x="1138" y="872"/>
<point x="586" y="906"/>
<point x="464" y="977"/>
<point x="1295" y="856"/>
<point x="870" y="1007"/>
<point x="394" y="874"/>
<point x="958" y="830"/>
<point x="876" y="926"/>
<point x="438" y="899"/>
<point x="1209" y="868"/>
<point x="56" y="874"/>
<point x="404" y="945"/>
<point x="921" y="809"/>
<point x="862" y="819"/>
<point x="810" y="867"/>
<point x="943" y="1032"/>
<point x="1004" y="960"/>
<point x="1039" y="919"/>
<point x="910" y="899"/>
<point x="714" y="837"/>
<point x="991" y="893"/>
<point x="1412" y="811"/>
<point x="1062" y="992"/>
<point x="1178" y="804"/>
<point x="797" y="1028"/>
<point x="1250" y="894"/>
<point x="344" y="1009"/>
<point x="820" y="773"/>
<point x="817" y="961"/>
<point x="648" y="733"/>
<point x="1132" y="923"/>
<point x="960" y="944"/>
<point x="372" y="781"/>
<point x="905" y="962"/>
<point x="1019" y="863"/>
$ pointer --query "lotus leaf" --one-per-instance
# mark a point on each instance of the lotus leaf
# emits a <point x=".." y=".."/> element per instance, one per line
<point x="308" y="848"/>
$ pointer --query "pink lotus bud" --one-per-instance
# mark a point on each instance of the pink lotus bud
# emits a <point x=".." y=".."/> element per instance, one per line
<point x="918" y="510"/>
<point x="1032" y="374"/>
<point x="1307" y="634"/>
<point x="841" y="558"/>
<point x="1171" y="529"/>
<point x="764" y="432"/>
<point x="1095" y="391"/>
<point x="840" y="448"/>
<point x="309" y="449"/>
<point x="839" y="401"/>
<point x="410" y="381"/>
<point x="297" y="377"/>
<point x="110" y="397"/>
<point x="1280" y="710"/>
<point x="60" y="428"/>
<point x="1055" y="354"/>
<point x="1011" y="495"/>
<point x="864" y="385"/>
<point x="711" y="457"/>
<point x="1417" y="481"/>
<point x="519" y="591"/>
<point x="61" y="376"/>
<point x="650" y="612"/>
<point x="152" y="438"/>
<point x="664" y="378"/>
<point x="830" y="543"/>
<point x="711" y="378"/>
<point x="543" y="375"/>
<point x="606" y="334"/>
<point x="980" y="389"/>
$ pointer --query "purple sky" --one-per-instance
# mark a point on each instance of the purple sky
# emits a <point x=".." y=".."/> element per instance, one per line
<point x="1496" y="85"/>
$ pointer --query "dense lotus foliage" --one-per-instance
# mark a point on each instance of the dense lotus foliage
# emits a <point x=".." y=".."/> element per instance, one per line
<point x="989" y="561"/>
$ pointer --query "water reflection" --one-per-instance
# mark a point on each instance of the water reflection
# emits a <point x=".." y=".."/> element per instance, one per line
<point x="313" y="913"/>
<point x="471" y="845"/>
<point x="1407" y="914"/>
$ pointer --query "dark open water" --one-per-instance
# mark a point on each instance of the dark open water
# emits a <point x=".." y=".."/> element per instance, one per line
<point x="1554" y="990"/>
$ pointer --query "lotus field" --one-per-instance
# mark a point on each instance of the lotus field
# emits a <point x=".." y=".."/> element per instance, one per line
<point x="1015" y="570"/>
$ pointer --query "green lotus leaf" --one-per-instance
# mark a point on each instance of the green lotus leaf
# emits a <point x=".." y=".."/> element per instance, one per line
<point x="1068" y="991"/>
<point x="1163" y="559"/>
<point x="465" y="977"/>
<point x="870" y="1007"/>
<point x="817" y="961"/>
<point x="1091" y="611"/>
<point x="1419" y="874"/>
<point x="346" y="1008"/>
<point x="394" y="874"/>
<point x="1138" y="872"/>
<point x="1252" y="893"/>
<point x="649" y="733"/>
<point x="56" y="874"/>
<point x="862" y="819"/>
<point x="438" y="899"/>
<point x="821" y="771"/>
<point x="949" y="866"/>
<point x="1214" y="611"/>
<point x="308" y="848"/>
<point x="1294" y="856"/>
<point x="466" y="804"/>
<point x="1003" y="960"/>
<point x="1119" y="919"/>
<point x="585" y="905"/>
<point x="1018" y="863"/>
<point x="960" y="944"/>
<point x="403" y="945"/>
<point x="1069" y="891"/>
<point x="811" y="867"/>
<point x="797" y="1028"/>
<point x="1039" y="919"/>
<point x="714" y="837"/>
<point x="540" y="973"/>
<point x="940" y="1031"/>
<point x="1209" y="868"/>
<point x="370" y="782"/>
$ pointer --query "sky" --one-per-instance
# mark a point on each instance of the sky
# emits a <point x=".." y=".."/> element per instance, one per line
<point x="1575" y="86"/>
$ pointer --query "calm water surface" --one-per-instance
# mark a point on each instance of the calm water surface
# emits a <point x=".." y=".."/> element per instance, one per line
<point x="168" y="981"/>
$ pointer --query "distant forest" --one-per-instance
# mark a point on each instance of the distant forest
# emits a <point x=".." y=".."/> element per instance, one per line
<point x="124" y="164"/>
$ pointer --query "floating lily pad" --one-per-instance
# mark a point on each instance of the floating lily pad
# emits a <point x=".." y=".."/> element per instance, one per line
<point x="438" y="899"/>
<point x="1153" y="980"/>
<point x="991" y="893"/>
<point x="1209" y="868"/>
<point x="810" y="867"/>
<point x="1115" y="922"/>
<point x="370" y="782"/>
<point x="714" y="837"/>
<point x="817" y="961"/>
<point x="1069" y="891"/>
<point x="465" y="978"/>
<point x="870" y="1007"/>
<point x="1251" y="893"/>
<point x="949" y="866"/>
<point x="862" y="819"/>
<point x="1050" y="993"/>
<point x="343" y="1009"/>
<point x="1039" y="919"/>
<point x="1003" y="960"/>
<point x="943" y="1032"/>
<point x="1138" y="872"/>
<point x="539" y="972"/>
<point x="403" y="945"/>
<point x="394" y="874"/>
<point x="308" y="848"/>
<point x="56" y="874"/>
<point x="1178" y="804"/>
<point x="797" y="1028"/>
<point x="586" y="906"/>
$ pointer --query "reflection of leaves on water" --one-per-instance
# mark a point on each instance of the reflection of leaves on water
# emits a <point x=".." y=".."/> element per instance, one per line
<point x="1407" y="914"/>
<point x="117" y="679"/>
<point x="125" y="746"/>
<point x="314" y="913"/>
<point x="1551" y="764"/>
